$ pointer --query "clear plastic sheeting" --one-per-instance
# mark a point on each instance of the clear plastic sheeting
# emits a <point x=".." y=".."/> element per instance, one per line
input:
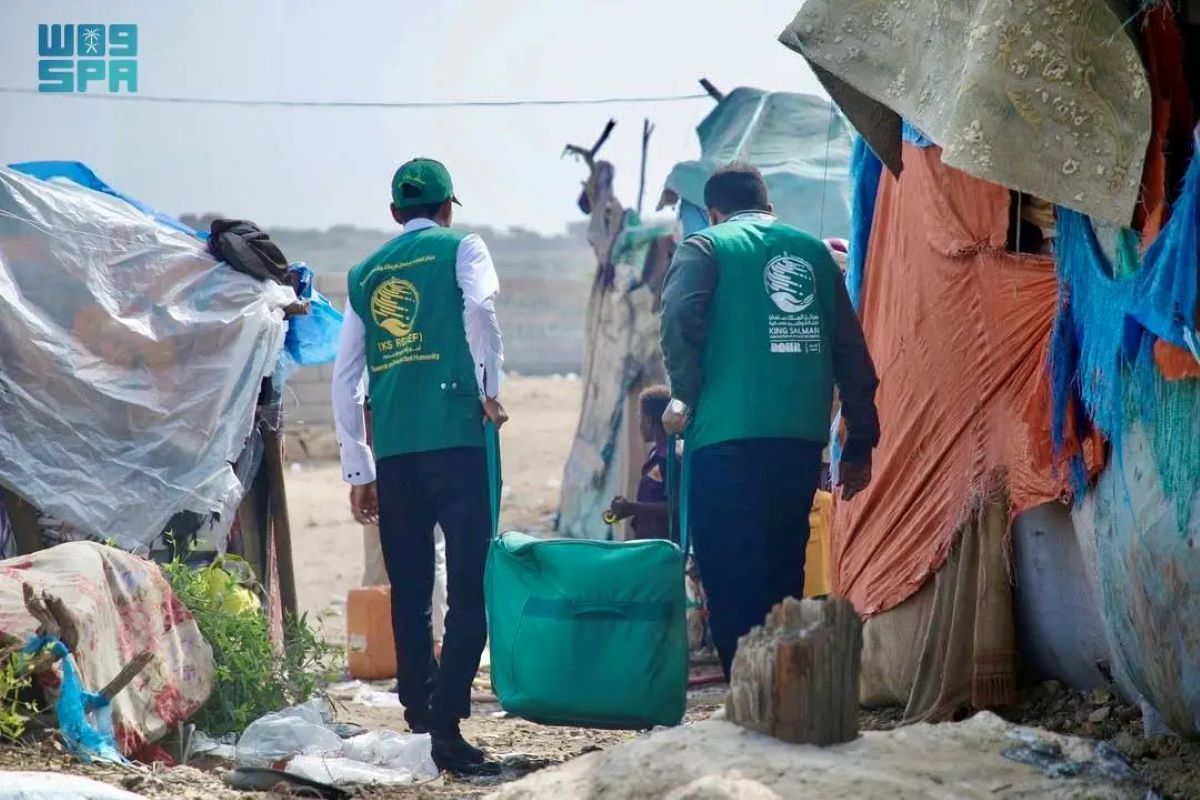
<point x="130" y="362"/>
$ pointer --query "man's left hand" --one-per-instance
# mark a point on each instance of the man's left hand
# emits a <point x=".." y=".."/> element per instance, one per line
<point x="854" y="478"/>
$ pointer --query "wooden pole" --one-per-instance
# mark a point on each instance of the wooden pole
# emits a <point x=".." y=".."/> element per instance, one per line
<point x="608" y="129"/>
<point x="795" y="677"/>
<point x="713" y="91"/>
<point x="589" y="154"/>
<point x="127" y="674"/>
<point x="280" y="524"/>
<point x="647" y="129"/>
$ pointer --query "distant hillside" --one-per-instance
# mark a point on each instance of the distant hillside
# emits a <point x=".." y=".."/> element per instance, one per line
<point x="544" y="283"/>
<point x="518" y="252"/>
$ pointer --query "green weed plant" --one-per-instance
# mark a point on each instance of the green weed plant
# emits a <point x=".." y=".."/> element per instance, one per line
<point x="253" y="677"/>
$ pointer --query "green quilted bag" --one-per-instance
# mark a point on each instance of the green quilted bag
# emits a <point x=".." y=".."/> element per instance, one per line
<point x="585" y="633"/>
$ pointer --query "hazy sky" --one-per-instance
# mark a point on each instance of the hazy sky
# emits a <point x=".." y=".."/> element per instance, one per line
<point x="320" y="167"/>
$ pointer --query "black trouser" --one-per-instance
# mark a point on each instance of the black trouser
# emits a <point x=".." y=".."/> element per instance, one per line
<point x="416" y="492"/>
<point x="748" y="502"/>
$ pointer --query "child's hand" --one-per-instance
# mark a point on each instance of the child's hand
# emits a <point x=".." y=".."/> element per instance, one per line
<point x="620" y="508"/>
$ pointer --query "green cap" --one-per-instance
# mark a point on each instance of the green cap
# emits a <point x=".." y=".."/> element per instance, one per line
<point x="420" y="182"/>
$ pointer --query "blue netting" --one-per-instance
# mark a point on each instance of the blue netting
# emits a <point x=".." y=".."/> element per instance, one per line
<point x="1167" y="299"/>
<point x="88" y="739"/>
<point x="1101" y="351"/>
<point x="1094" y="340"/>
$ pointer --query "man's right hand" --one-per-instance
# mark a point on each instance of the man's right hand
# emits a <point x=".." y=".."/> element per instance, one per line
<point x="364" y="504"/>
<point x="853" y="478"/>
<point x="494" y="411"/>
<point x="675" y="419"/>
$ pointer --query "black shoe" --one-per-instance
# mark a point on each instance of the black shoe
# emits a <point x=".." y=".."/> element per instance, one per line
<point x="452" y="753"/>
<point x="450" y="741"/>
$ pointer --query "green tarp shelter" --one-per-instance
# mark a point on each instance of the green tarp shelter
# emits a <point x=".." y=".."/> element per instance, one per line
<point x="800" y="142"/>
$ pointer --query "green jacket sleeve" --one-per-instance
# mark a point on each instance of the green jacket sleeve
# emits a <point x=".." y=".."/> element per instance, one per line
<point x="687" y="292"/>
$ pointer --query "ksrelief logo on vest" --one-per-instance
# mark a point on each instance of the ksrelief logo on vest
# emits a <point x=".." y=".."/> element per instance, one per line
<point x="394" y="306"/>
<point x="790" y="283"/>
<point x="72" y="57"/>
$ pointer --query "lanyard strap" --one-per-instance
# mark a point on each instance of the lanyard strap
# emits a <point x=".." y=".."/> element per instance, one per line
<point x="495" y="479"/>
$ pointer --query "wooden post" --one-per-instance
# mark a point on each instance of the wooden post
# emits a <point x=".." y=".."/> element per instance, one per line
<point x="281" y="528"/>
<point x="24" y="519"/>
<point x="647" y="129"/>
<point x="795" y="677"/>
<point x="127" y="674"/>
<point x="713" y="91"/>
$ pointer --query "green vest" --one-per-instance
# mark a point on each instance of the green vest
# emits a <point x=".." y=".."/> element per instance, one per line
<point x="768" y="355"/>
<point x="423" y="390"/>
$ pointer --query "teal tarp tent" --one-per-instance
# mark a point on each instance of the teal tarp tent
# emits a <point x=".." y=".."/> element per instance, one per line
<point x="801" y="144"/>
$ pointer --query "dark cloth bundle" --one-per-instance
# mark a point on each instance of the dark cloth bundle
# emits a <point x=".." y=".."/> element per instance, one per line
<point x="247" y="248"/>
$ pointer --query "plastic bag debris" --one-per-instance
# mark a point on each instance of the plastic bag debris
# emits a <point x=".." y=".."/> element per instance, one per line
<point x="392" y="749"/>
<point x="203" y="745"/>
<point x="278" y="736"/>
<point x="312" y="338"/>
<point x="382" y="758"/>
<point x="84" y="718"/>
<point x="317" y="710"/>
<point x="58" y="786"/>
<point x="376" y="698"/>
<point x="1048" y="756"/>
<point x="305" y="737"/>
<point x="365" y="694"/>
<point x="347" y="772"/>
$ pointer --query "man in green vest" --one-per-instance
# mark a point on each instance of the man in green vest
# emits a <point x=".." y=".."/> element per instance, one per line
<point x="757" y="329"/>
<point x="421" y="322"/>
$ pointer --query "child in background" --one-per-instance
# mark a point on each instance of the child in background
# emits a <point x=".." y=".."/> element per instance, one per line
<point x="649" y="515"/>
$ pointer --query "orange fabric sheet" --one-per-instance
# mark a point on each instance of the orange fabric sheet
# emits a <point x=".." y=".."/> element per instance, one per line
<point x="958" y="328"/>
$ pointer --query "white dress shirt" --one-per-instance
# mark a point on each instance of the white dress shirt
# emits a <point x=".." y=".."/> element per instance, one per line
<point x="476" y="275"/>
